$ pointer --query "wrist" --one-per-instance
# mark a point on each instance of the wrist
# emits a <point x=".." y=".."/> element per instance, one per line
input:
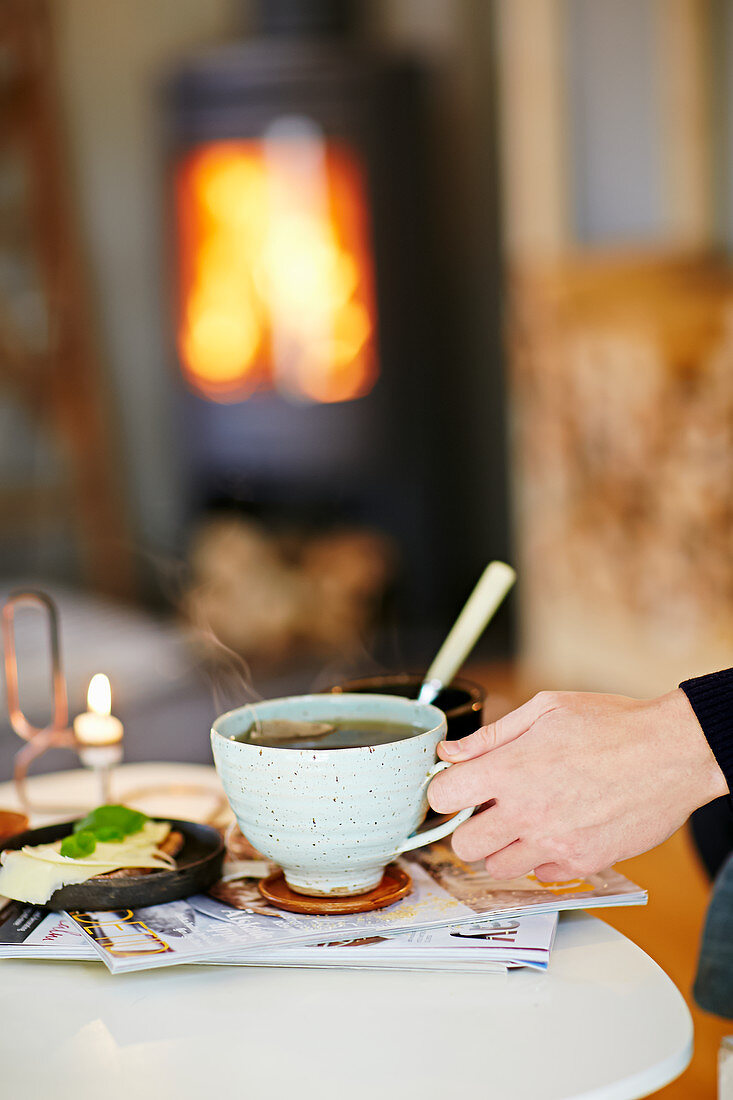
<point x="711" y="698"/>
<point x="707" y="780"/>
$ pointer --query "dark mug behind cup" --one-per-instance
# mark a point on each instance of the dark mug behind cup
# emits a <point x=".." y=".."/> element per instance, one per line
<point x="461" y="702"/>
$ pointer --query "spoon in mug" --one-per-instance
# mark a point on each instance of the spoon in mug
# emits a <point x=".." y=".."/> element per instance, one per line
<point x="494" y="583"/>
<point x="496" y="580"/>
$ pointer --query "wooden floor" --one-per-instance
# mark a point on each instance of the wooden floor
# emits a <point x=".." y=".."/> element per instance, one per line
<point x="668" y="928"/>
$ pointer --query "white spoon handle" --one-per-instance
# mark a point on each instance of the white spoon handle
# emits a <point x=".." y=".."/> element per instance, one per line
<point x="495" y="582"/>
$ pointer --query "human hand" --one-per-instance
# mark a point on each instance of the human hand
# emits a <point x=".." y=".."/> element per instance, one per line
<point x="571" y="782"/>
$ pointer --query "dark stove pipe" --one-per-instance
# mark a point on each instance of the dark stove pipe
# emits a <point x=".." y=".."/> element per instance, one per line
<point x="306" y="18"/>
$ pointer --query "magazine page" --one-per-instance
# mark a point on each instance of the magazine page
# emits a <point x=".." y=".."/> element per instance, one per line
<point x="509" y="939"/>
<point x="446" y="891"/>
<point x="512" y="942"/>
<point x="29" y="932"/>
<point x="358" y="962"/>
<point x="202" y="927"/>
<point x="470" y="884"/>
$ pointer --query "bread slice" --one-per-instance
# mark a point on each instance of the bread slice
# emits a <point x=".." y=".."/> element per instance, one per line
<point x="171" y="846"/>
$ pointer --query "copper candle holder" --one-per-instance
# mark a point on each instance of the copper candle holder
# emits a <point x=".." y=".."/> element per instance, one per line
<point x="100" y="757"/>
<point x="56" y="734"/>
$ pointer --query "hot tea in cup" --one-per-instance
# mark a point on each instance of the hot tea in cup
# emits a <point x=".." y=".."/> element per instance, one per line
<point x="333" y="809"/>
<point x="461" y="701"/>
<point x="345" y="734"/>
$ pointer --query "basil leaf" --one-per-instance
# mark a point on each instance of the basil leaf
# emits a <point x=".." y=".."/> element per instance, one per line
<point x="121" y="818"/>
<point x="78" y="845"/>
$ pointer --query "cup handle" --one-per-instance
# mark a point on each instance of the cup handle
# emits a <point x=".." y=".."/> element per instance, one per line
<point x="438" y="832"/>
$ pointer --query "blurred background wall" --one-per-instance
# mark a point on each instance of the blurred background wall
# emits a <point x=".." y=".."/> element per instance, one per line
<point x="620" y="345"/>
<point x="114" y="62"/>
<point x="100" y="494"/>
<point x="577" y="190"/>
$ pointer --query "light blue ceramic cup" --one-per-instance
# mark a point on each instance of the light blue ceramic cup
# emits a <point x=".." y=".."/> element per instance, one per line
<point x="333" y="818"/>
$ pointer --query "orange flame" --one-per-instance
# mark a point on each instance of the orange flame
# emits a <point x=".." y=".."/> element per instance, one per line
<point x="276" y="280"/>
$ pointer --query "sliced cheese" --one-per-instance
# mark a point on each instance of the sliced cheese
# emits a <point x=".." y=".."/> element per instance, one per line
<point x="34" y="880"/>
<point x="130" y="851"/>
<point x="34" y="873"/>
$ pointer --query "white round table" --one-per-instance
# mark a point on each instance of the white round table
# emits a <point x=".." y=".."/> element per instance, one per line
<point x="605" y="1022"/>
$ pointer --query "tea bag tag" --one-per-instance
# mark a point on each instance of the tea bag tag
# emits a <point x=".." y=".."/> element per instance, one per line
<point x="284" y="729"/>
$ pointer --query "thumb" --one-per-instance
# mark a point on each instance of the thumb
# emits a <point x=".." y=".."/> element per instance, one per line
<point x="501" y="732"/>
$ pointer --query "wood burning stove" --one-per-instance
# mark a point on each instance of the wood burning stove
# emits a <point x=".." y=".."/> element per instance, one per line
<point x="303" y="257"/>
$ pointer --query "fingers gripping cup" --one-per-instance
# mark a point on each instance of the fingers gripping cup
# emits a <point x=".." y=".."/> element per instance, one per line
<point x="334" y="811"/>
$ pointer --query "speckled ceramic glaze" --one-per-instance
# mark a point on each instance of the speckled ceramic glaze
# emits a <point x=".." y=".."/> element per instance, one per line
<point x="332" y="818"/>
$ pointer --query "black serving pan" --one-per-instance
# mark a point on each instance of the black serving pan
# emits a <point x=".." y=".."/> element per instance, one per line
<point x="198" y="866"/>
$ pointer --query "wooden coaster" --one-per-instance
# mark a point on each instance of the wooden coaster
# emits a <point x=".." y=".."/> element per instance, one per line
<point x="395" y="884"/>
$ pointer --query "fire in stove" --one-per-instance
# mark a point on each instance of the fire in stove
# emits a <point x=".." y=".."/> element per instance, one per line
<point x="305" y="328"/>
<point x="276" y="276"/>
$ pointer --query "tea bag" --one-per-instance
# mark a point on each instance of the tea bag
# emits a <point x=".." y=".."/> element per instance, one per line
<point x="285" y="729"/>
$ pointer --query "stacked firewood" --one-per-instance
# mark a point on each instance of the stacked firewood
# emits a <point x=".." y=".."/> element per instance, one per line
<point x="273" y="597"/>
<point x="623" y="411"/>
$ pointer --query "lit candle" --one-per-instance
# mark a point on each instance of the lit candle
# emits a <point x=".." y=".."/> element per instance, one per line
<point x="99" y="734"/>
<point x="98" y="726"/>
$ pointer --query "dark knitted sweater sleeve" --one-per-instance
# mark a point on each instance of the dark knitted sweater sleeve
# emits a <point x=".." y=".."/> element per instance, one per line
<point x="711" y="698"/>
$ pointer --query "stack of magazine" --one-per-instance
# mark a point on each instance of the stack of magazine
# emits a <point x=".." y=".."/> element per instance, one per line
<point x="455" y="918"/>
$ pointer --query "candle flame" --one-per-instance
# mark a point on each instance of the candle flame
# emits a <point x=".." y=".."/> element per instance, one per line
<point x="99" y="695"/>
